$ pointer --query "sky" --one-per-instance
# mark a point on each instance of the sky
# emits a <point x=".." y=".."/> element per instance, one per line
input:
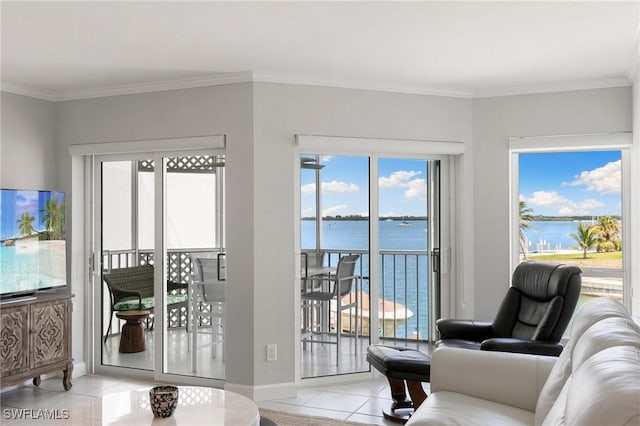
<point x="572" y="183"/>
<point x="552" y="184"/>
<point x="15" y="202"/>
<point x="403" y="187"/>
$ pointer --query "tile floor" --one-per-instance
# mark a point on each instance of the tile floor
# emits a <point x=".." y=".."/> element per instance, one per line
<point x="360" y="402"/>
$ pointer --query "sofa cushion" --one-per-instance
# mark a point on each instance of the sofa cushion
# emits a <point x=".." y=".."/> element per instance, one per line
<point x="589" y="314"/>
<point x="147" y="302"/>
<point x="452" y="408"/>
<point x="604" y="390"/>
<point x="610" y="332"/>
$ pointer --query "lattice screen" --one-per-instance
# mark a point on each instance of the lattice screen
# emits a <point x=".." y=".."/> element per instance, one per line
<point x="191" y="164"/>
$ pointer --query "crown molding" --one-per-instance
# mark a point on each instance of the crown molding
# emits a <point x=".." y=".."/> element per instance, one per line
<point x="28" y="91"/>
<point x="246" y="77"/>
<point x="158" y="86"/>
<point x="290" y="79"/>
<point x="634" y="62"/>
<point x="566" y="86"/>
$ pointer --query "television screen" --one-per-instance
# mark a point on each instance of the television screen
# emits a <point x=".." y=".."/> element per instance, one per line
<point x="32" y="241"/>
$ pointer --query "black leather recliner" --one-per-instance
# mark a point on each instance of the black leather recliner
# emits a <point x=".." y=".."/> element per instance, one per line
<point x="532" y="317"/>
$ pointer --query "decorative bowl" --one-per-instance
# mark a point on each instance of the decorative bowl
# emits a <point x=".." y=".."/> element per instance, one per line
<point x="163" y="400"/>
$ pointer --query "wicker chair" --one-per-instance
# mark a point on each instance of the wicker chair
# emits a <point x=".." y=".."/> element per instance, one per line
<point x="131" y="289"/>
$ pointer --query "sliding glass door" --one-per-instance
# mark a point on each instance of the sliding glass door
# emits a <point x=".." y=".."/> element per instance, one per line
<point x="387" y="211"/>
<point x="154" y="215"/>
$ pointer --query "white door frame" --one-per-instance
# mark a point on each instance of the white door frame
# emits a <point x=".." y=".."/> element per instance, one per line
<point x="376" y="149"/>
<point x="156" y="149"/>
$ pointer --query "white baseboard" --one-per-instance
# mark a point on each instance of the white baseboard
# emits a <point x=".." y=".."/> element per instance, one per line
<point x="79" y="369"/>
<point x="264" y="392"/>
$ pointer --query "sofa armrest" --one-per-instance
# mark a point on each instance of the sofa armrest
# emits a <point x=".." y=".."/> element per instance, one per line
<point x="522" y="346"/>
<point x="451" y="328"/>
<point x="506" y="378"/>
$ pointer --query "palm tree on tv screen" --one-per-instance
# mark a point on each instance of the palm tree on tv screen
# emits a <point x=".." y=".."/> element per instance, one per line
<point x="25" y="223"/>
<point x="53" y="218"/>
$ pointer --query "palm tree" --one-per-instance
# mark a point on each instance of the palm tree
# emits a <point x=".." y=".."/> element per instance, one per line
<point x="608" y="230"/>
<point x="53" y="217"/>
<point x="26" y="223"/>
<point x="587" y="237"/>
<point x="526" y="216"/>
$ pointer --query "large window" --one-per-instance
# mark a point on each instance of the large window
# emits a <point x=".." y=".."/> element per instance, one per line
<point x="568" y="207"/>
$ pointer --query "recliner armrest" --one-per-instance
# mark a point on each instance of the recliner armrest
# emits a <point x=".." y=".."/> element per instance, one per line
<point x="506" y="378"/>
<point x="534" y="347"/>
<point x="463" y="329"/>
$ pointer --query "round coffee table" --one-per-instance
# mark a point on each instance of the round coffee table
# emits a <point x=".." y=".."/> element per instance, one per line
<point x="196" y="406"/>
<point x="132" y="335"/>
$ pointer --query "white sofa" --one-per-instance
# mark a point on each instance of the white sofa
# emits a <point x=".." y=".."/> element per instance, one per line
<point x="595" y="381"/>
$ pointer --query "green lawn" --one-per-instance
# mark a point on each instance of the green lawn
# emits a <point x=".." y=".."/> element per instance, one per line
<point x="593" y="260"/>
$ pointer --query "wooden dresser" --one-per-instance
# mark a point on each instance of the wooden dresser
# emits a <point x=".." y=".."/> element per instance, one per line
<point x="35" y="339"/>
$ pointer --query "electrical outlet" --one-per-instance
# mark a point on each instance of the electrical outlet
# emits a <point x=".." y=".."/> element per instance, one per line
<point x="272" y="352"/>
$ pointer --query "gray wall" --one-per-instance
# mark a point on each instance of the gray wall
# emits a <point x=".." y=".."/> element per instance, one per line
<point x="214" y="110"/>
<point x="260" y="121"/>
<point x="281" y="111"/>
<point x="494" y="121"/>
<point x="260" y="189"/>
<point x="27" y="145"/>
<point x="635" y="177"/>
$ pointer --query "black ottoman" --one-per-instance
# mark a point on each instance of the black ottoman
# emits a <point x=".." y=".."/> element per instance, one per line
<point x="405" y="369"/>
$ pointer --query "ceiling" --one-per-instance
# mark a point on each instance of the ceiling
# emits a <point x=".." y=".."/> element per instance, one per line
<point x="70" y="50"/>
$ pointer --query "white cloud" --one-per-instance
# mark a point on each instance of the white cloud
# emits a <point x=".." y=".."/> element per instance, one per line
<point x="546" y="199"/>
<point x="335" y="186"/>
<point x="604" y="180"/>
<point x="331" y="211"/>
<point x="564" y="206"/>
<point x="309" y="188"/>
<point x="417" y="189"/>
<point x="397" y="179"/>
<point x="308" y="212"/>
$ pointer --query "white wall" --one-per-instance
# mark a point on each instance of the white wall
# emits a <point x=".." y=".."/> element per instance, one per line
<point x="281" y="111"/>
<point x="494" y="121"/>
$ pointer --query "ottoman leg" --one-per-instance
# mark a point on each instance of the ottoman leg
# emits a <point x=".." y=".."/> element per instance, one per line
<point x="402" y="407"/>
<point x="416" y="392"/>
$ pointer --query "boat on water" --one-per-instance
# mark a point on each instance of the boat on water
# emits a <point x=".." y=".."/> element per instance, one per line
<point x="404" y="224"/>
<point x="390" y="314"/>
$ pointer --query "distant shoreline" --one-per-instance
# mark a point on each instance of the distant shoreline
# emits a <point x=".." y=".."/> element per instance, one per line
<point x="399" y="218"/>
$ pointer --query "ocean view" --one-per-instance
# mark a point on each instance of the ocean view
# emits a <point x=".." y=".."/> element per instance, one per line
<point x="354" y="235"/>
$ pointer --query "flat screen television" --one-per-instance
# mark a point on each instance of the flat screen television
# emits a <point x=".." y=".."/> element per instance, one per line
<point x="32" y="242"/>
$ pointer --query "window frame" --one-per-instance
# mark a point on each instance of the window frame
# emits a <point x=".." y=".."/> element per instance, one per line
<point x="572" y="143"/>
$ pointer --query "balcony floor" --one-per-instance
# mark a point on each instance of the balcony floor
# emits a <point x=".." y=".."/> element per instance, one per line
<point x="317" y="359"/>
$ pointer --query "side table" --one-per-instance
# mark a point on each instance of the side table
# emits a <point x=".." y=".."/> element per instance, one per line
<point x="132" y="335"/>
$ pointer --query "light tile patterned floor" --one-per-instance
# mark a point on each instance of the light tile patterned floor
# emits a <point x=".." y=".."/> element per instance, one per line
<point x="361" y="402"/>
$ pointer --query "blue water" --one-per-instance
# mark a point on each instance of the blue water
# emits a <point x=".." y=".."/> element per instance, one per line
<point x="552" y="236"/>
<point x="354" y="235"/>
